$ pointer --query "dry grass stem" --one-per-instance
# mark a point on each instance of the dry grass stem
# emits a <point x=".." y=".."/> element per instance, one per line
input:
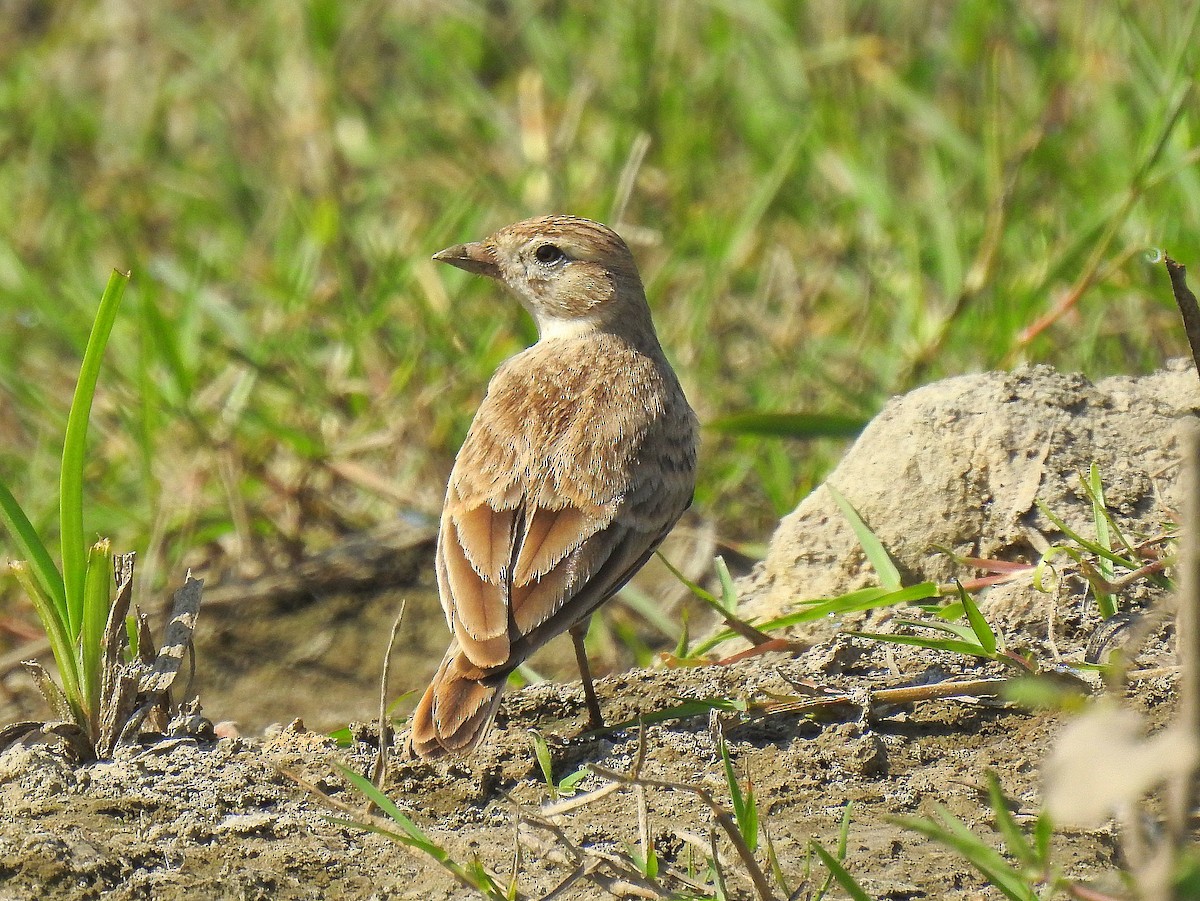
<point x="1188" y="309"/>
<point x="725" y="820"/>
<point x="1183" y="794"/>
<point x="379" y="771"/>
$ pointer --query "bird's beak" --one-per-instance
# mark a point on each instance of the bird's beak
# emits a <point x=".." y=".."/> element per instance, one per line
<point x="477" y="257"/>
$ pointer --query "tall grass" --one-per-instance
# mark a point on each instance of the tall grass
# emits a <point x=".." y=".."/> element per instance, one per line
<point x="836" y="202"/>
<point x="73" y="602"/>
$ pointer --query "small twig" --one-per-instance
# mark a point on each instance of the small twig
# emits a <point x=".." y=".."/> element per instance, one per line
<point x="557" y="892"/>
<point x="1129" y="578"/>
<point x="587" y="861"/>
<point x="379" y="772"/>
<point x="718" y="873"/>
<point x="1154" y="672"/>
<point x="912" y="693"/>
<point x="625" y="184"/>
<point x="639" y="792"/>
<point x="906" y="694"/>
<point x="552" y="811"/>
<point x="765" y="647"/>
<point x="1090" y="275"/>
<point x="723" y="817"/>
<point x="574" y="854"/>
<point x="1182" y="793"/>
<point x="1188" y="308"/>
<point x="515" y="872"/>
<point x="639" y="758"/>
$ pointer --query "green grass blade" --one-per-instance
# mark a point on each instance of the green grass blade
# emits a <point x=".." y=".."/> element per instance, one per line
<point x="840" y="854"/>
<point x="31" y="547"/>
<point x="848" y="883"/>
<point x="1006" y="824"/>
<point x="343" y="736"/>
<point x="746" y="816"/>
<point x="1099" y="505"/>
<point x="542" y="753"/>
<point x="70" y="497"/>
<point x="933" y="644"/>
<point x="844" y="831"/>
<point x="790" y="425"/>
<point x="863" y="599"/>
<point x="399" y="837"/>
<point x="958" y="630"/>
<point x="952" y="611"/>
<point x="691" y="586"/>
<point x="953" y="833"/>
<point x="394" y="813"/>
<point x="1043" y="831"/>
<point x="979" y="625"/>
<point x="776" y="867"/>
<point x="681" y="646"/>
<point x="164" y="338"/>
<point x="983" y="856"/>
<point x="55" y="627"/>
<point x="1097" y="549"/>
<point x="1094" y="487"/>
<point x="889" y="576"/>
<point x="729" y="598"/>
<point x="97" y="600"/>
<point x="755" y="206"/>
<point x="566" y="785"/>
<point x="748" y="823"/>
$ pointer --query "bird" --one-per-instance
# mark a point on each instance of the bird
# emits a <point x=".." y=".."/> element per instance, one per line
<point x="579" y="461"/>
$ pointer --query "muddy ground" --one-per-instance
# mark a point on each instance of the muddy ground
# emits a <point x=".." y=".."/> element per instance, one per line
<point x="239" y="816"/>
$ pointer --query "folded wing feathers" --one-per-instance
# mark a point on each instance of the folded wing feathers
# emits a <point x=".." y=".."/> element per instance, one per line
<point x="485" y="536"/>
<point x="478" y="611"/>
<point x="543" y="596"/>
<point x="508" y="563"/>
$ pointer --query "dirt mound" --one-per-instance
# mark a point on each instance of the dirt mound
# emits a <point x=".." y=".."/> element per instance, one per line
<point x="959" y="464"/>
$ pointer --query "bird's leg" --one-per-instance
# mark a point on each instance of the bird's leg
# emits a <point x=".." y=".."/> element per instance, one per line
<point x="578" y="633"/>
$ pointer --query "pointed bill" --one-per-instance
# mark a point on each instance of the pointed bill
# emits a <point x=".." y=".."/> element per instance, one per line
<point x="476" y="257"/>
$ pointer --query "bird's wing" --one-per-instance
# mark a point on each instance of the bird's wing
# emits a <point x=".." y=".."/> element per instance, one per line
<point x="559" y="553"/>
<point x="534" y="540"/>
<point x="502" y="572"/>
<point x="472" y="580"/>
<point x="514" y="578"/>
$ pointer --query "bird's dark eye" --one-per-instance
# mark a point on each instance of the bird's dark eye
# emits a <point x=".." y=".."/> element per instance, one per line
<point x="549" y="253"/>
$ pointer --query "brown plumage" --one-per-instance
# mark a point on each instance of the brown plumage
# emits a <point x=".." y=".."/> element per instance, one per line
<point x="580" y="460"/>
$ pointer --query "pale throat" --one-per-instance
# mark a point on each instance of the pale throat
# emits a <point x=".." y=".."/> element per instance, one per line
<point x="551" y="328"/>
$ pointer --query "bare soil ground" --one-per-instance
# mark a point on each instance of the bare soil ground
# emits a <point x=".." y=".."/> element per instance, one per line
<point x="229" y="818"/>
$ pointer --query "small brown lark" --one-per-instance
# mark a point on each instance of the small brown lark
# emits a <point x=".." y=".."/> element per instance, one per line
<point x="580" y="460"/>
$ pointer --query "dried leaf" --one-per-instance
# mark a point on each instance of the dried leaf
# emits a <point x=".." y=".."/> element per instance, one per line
<point x="48" y="688"/>
<point x="178" y="637"/>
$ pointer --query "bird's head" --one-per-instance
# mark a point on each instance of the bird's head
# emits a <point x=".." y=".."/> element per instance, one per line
<point x="573" y="275"/>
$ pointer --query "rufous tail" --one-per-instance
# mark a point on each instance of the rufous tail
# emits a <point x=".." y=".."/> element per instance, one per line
<point x="456" y="712"/>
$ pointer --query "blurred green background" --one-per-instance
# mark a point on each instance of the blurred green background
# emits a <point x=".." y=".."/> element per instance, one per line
<point x="831" y="203"/>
